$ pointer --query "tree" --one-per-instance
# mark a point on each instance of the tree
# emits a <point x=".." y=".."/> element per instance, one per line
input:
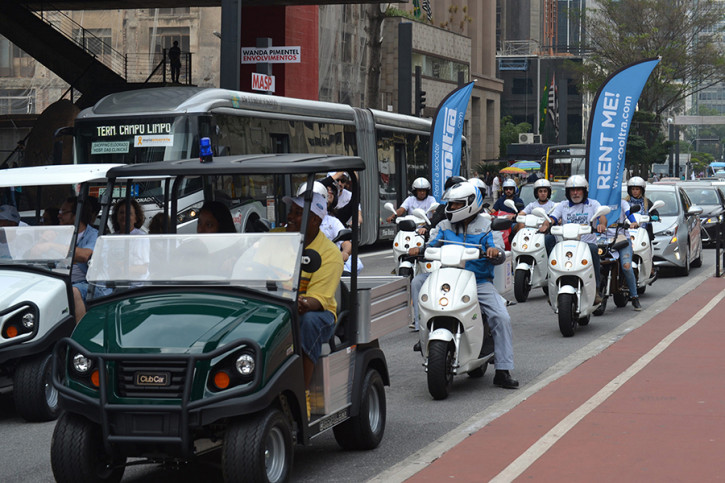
<point x="646" y="143"/>
<point x="510" y="133"/>
<point x="684" y="33"/>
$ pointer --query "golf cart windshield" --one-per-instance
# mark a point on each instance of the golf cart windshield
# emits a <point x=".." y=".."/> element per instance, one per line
<point x="268" y="262"/>
<point x="47" y="247"/>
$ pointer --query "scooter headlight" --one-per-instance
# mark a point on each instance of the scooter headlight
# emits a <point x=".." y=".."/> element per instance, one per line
<point x="445" y="288"/>
<point x="569" y="254"/>
<point x="443" y="302"/>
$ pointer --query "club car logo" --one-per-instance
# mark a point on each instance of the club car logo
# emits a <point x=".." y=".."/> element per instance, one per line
<point x="152" y="379"/>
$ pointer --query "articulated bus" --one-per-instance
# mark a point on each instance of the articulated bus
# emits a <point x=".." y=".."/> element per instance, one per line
<point x="167" y="123"/>
<point x="564" y="161"/>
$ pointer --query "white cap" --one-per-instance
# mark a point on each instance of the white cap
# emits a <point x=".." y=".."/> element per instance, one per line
<point x="318" y="206"/>
<point x="9" y="213"/>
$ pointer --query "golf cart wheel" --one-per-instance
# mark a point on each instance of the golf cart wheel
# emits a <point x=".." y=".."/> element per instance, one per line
<point x="365" y="431"/>
<point x="77" y="453"/>
<point x="522" y="287"/>
<point x="440" y="368"/>
<point x="258" y="448"/>
<point x="620" y="299"/>
<point x="35" y="397"/>
<point x="568" y="320"/>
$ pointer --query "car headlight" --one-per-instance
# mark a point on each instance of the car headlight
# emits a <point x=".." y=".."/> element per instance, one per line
<point x="28" y="320"/>
<point x="190" y="213"/>
<point x="81" y="363"/>
<point x="245" y="364"/>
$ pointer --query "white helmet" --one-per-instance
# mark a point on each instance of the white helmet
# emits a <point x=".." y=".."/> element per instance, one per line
<point x="636" y="181"/>
<point x="478" y="183"/>
<point x="421" y="184"/>
<point x="509" y="183"/>
<point x="576" y="181"/>
<point x="317" y="187"/>
<point x="542" y="183"/>
<point x="465" y="193"/>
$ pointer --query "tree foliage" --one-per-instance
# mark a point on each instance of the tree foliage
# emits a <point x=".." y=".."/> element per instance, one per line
<point x="686" y="34"/>
<point x="646" y="143"/>
<point x="510" y="133"/>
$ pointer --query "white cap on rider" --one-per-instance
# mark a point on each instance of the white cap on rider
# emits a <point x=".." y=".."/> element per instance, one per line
<point x="318" y="206"/>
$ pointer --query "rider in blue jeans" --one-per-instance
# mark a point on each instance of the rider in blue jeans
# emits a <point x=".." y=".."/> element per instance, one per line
<point x="464" y="224"/>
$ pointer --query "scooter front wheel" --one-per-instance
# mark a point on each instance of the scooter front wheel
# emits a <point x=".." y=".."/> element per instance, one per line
<point x="522" y="285"/>
<point x="567" y="314"/>
<point x="440" y="368"/>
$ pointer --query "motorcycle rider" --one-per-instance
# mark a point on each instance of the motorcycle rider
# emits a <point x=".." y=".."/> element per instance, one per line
<point x="635" y="196"/>
<point x="579" y="209"/>
<point x="509" y="193"/>
<point x="625" y="253"/>
<point x="464" y="223"/>
<point x="542" y="192"/>
<point x="420" y="198"/>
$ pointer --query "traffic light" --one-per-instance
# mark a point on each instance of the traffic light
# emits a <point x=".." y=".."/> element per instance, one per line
<point x="419" y="93"/>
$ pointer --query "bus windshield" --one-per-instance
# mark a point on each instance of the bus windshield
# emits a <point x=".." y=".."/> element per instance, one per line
<point x="564" y="161"/>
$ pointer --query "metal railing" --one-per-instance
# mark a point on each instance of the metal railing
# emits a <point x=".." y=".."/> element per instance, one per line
<point x="85" y="39"/>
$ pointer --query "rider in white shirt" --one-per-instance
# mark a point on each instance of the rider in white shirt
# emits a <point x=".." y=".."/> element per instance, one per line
<point x="421" y="198"/>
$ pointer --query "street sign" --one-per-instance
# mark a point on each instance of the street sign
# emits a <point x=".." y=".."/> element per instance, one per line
<point x="262" y="82"/>
<point x="271" y="55"/>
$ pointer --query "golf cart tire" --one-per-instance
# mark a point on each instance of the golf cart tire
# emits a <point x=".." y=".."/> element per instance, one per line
<point x="365" y="431"/>
<point x="77" y="453"/>
<point x="258" y="449"/>
<point x="35" y="397"/>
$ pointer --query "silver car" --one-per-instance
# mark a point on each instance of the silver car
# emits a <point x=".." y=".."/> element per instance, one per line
<point x="677" y="240"/>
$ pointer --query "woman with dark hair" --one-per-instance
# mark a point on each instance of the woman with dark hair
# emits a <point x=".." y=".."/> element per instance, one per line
<point x="135" y="222"/>
<point x="214" y="217"/>
<point x="50" y="216"/>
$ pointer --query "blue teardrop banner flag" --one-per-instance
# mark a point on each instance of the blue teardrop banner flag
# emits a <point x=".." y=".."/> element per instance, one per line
<point x="613" y="108"/>
<point x="445" y="138"/>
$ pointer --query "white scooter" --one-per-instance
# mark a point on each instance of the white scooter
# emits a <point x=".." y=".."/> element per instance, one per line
<point x="642" y="256"/>
<point x="452" y="336"/>
<point x="406" y="238"/>
<point x="529" y="255"/>
<point x="572" y="281"/>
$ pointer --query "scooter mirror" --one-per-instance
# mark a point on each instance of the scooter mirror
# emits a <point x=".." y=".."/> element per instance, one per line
<point x="657" y="204"/>
<point x="418" y="212"/>
<point x="406" y="225"/>
<point x="343" y="235"/>
<point x="511" y="204"/>
<point x="389" y="206"/>
<point x="635" y="208"/>
<point x="541" y="213"/>
<point x="601" y="211"/>
<point x="500" y="224"/>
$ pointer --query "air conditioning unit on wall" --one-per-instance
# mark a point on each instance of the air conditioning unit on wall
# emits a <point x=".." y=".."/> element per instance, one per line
<point x="526" y="138"/>
<point x="529" y="138"/>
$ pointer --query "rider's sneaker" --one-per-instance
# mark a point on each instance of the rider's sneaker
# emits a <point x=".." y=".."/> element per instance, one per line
<point x="635" y="303"/>
<point x="504" y="379"/>
<point x="597" y="299"/>
<point x="416" y="347"/>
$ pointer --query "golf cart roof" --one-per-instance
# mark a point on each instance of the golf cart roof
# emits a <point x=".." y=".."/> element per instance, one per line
<point x="243" y="164"/>
<point x="56" y="174"/>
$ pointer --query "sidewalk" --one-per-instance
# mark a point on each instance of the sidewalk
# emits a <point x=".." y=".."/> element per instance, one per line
<point x="650" y="407"/>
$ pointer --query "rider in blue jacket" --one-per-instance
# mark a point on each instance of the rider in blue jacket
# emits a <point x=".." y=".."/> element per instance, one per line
<point x="464" y="224"/>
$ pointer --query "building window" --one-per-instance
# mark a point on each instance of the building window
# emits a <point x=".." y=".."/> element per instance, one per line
<point x="163" y="38"/>
<point x="439" y="68"/>
<point x="14" y="62"/>
<point x="169" y="11"/>
<point x="522" y="86"/>
<point x="96" y="41"/>
<point x="17" y="101"/>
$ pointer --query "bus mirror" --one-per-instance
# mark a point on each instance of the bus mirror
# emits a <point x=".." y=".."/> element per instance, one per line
<point x="205" y="154"/>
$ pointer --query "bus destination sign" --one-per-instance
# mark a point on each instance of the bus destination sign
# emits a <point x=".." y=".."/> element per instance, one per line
<point x="133" y="129"/>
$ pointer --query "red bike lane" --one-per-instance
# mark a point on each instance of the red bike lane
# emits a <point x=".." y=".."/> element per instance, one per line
<point x="650" y="407"/>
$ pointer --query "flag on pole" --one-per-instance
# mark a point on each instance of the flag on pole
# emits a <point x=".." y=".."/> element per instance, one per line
<point x="553" y="108"/>
<point x="542" y="107"/>
<point x="612" y="111"/>
<point x="428" y="11"/>
<point x="445" y="138"/>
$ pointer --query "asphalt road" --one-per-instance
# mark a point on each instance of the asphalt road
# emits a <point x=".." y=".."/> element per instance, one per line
<point x="418" y="428"/>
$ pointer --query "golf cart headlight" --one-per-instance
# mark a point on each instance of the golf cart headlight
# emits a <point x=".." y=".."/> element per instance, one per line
<point x="81" y="363"/>
<point x="245" y="364"/>
<point x="28" y="320"/>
